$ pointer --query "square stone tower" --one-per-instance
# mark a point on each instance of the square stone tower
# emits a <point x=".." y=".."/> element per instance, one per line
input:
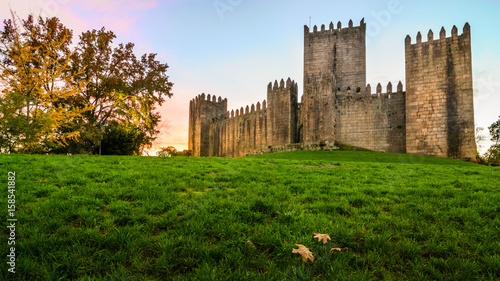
<point x="439" y="99"/>
<point x="334" y="58"/>
<point x="202" y="113"/>
<point x="282" y="113"/>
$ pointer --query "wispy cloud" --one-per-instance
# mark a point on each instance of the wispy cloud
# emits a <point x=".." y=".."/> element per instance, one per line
<point x="117" y="15"/>
<point x="119" y="5"/>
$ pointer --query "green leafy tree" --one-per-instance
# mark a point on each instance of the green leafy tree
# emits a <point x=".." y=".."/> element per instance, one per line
<point x="120" y="87"/>
<point x="495" y="131"/>
<point x="12" y="122"/>
<point x="493" y="153"/>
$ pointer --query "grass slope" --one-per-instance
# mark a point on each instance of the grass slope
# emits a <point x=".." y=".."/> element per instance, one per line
<point x="401" y="217"/>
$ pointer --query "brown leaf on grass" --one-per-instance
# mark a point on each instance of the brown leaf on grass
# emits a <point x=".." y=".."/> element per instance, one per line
<point x="337" y="249"/>
<point x="250" y="243"/>
<point x="324" y="237"/>
<point x="304" y="252"/>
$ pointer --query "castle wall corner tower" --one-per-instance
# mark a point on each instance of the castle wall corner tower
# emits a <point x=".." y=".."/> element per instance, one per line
<point x="439" y="100"/>
<point x="201" y="114"/>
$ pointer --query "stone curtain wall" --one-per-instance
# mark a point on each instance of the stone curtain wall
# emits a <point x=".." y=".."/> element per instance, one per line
<point x="244" y="131"/>
<point x="439" y="100"/>
<point x="372" y="121"/>
<point x="239" y="133"/>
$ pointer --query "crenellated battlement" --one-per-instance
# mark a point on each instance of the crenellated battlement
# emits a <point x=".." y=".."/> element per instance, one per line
<point x="274" y="90"/>
<point x="442" y="36"/>
<point x="290" y="85"/>
<point x="359" y="93"/>
<point x="332" y="29"/>
<point x="242" y="112"/>
<point x="201" y="98"/>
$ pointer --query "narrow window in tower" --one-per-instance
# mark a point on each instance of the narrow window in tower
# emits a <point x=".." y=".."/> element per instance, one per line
<point x="437" y="72"/>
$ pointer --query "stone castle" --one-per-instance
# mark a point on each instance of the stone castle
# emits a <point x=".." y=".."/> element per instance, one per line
<point x="434" y="116"/>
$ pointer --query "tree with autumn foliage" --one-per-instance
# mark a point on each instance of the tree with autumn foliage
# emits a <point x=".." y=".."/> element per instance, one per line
<point x="58" y="99"/>
<point x="36" y="85"/>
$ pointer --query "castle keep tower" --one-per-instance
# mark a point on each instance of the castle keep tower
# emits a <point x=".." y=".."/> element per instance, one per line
<point x="439" y="100"/>
<point x="201" y="113"/>
<point x="334" y="58"/>
<point x="339" y="52"/>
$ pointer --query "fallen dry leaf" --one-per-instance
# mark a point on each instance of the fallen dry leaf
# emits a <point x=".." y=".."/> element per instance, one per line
<point x="324" y="237"/>
<point x="250" y="243"/>
<point x="302" y="250"/>
<point x="337" y="249"/>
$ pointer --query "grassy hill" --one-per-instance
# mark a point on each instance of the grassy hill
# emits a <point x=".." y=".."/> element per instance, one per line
<point x="395" y="217"/>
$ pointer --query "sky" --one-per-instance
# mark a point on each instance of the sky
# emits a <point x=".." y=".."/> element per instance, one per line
<point x="234" y="48"/>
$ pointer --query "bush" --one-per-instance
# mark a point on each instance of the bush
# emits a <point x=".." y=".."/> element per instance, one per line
<point x="167" y="151"/>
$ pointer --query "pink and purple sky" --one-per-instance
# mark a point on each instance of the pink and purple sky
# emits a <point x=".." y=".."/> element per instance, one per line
<point x="234" y="48"/>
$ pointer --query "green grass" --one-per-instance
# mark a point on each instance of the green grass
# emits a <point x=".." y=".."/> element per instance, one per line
<point x="401" y="217"/>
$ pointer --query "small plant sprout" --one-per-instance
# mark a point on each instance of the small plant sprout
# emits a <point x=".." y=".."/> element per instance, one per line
<point x="322" y="237"/>
<point x="304" y="252"/>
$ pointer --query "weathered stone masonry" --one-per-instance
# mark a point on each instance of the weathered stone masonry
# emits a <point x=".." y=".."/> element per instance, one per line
<point x="439" y="103"/>
<point x="201" y="113"/>
<point x="435" y="116"/>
